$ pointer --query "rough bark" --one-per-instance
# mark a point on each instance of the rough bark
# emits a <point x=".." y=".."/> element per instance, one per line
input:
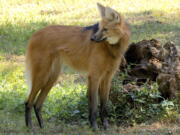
<point x="150" y="61"/>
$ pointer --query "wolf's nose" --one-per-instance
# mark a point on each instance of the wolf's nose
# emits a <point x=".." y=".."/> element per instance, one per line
<point x="93" y="38"/>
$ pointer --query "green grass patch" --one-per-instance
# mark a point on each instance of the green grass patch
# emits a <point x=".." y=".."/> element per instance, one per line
<point x="145" y="105"/>
<point x="66" y="105"/>
<point x="148" y="19"/>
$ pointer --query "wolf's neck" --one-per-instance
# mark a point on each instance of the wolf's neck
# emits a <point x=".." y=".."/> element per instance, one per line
<point x="114" y="50"/>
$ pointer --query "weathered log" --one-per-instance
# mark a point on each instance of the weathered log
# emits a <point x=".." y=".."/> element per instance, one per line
<point x="150" y="60"/>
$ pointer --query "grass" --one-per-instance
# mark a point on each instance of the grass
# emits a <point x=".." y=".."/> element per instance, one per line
<point x="148" y="19"/>
<point x="65" y="110"/>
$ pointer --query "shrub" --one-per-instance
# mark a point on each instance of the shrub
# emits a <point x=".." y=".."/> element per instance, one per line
<point x="138" y="106"/>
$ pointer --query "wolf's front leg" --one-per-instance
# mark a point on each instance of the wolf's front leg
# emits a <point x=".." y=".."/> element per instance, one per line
<point x="104" y="96"/>
<point x="93" y="85"/>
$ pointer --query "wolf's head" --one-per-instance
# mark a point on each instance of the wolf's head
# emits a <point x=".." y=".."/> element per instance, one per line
<point x="109" y="27"/>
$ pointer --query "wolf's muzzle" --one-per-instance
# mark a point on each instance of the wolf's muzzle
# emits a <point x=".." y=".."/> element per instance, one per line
<point x="97" y="39"/>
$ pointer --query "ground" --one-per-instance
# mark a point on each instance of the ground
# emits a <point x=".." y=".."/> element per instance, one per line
<point x="158" y="19"/>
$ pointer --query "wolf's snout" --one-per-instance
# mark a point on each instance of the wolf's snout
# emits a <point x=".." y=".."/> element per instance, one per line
<point x="97" y="38"/>
<point x="93" y="38"/>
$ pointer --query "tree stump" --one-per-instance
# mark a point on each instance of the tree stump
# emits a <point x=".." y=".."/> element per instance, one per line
<point x="150" y="61"/>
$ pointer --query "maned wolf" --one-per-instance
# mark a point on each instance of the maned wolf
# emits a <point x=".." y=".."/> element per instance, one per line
<point x="96" y="49"/>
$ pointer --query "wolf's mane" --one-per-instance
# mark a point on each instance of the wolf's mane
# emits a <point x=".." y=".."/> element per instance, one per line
<point x="93" y="27"/>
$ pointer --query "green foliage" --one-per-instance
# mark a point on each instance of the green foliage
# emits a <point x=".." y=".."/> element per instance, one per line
<point x="12" y="89"/>
<point x="67" y="101"/>
<point x="139" y="106"/>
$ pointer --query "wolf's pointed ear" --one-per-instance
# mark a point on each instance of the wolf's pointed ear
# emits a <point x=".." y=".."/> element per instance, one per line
<point x="112" y="15"/>
<point x="101" y="9"/>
